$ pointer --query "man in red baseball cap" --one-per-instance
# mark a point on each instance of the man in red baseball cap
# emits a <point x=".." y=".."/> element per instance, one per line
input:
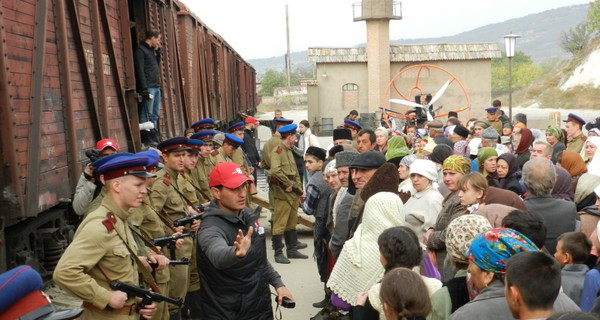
<point x="231" y="253"/>
<point x="107" y="147"/>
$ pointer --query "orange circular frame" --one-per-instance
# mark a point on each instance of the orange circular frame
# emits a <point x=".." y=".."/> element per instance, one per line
<point x="420" y="67"/>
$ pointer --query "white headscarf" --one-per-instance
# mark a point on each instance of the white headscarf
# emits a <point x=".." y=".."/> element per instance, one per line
<point x="594" y="165"/>
<point x="358" y="267"/>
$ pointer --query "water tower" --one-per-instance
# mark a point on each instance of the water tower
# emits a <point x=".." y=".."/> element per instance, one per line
<point x="377" y="15"/>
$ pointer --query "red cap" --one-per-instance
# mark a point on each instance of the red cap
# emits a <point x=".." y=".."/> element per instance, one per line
<point x="251" y="120"/>
<point x="228" y="175"/>
<point x="107" y="143"/>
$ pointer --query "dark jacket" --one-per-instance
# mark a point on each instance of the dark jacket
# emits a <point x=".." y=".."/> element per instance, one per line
<point x="559" y="216"/>
<point x="232" y="287"/>
<point x="249" y="148"/>
<point x="147" y="71"/>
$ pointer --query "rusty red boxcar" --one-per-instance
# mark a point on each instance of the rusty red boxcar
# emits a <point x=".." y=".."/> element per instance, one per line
<point x="67" y="80"/>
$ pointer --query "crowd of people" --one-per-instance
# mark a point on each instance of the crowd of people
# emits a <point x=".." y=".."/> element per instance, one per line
<point x="447" y="221"/>
<point x="489" y="219"/>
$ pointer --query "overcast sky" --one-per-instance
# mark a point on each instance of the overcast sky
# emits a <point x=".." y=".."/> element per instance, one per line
<point x="256" y="28"/>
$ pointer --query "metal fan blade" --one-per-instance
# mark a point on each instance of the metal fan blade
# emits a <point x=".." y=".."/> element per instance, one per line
<point x="406" y="103"/>
<point x="429" y="116"/>
<point x="439" y="94"/>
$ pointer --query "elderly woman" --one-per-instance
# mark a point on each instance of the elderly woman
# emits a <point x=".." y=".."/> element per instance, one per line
<point x="358" y="268"/>
<point x="488" y="255"/>
<point x="525" y="140"/>
<point x="556" y="138"/>
<point x="460" y="234"/>
<point x="381" y="139"/>
<point x="405" y="187"/>
<point x="509" y="173"/>
<point x="423" y="207"/>
<point x="454" y="168"/>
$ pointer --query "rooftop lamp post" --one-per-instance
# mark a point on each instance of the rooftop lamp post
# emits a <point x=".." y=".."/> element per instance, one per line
<point x="510" y="42"/>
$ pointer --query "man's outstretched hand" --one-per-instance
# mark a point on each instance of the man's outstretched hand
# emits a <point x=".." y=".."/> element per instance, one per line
<point x="242" y="243"/>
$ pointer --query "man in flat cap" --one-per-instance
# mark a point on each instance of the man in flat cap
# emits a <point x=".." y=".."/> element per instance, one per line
<point x="168" y="198"/>
<point x="287" y="191"/>
<point x="489" y="138"/>
<point x="362" y="169"/>
<point x="342" y="202"/>
<point x="104" y="249"/>
<point x="575" y="137"/>
<point x="436" y="131"/>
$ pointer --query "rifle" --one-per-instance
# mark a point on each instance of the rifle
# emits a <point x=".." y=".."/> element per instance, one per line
<point x="169" y="241"/>
<point x="147" y="296"/>
<point x="182" y="262"/>
<point x="276" y="182"/>
<point x="188" y="219"/>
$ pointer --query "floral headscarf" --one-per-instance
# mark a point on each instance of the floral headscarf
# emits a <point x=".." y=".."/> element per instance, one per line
<point x="396" y="148"/>
<point x="490" y="250"/>
<point x="462" y="148"/>
<point x="457" y="163"/>
<point x="460" y="233"/>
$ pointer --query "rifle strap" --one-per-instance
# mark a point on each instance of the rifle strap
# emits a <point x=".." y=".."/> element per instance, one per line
<point x="144" y="239"/>
<point x="144" y="273"/>
<point x="168" y="222"/>
<point x="185" y="199"/>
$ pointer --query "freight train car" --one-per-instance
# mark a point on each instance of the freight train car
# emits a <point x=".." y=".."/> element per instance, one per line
<point x="67" y="80"/>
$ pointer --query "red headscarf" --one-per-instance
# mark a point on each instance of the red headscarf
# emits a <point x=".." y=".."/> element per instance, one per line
<point x="526" y="141"/>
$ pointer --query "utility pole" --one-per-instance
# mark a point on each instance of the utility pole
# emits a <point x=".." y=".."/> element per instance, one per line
<point x="288" y="59"/>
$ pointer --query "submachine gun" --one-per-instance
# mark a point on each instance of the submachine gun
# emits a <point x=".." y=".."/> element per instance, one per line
<point x="147" y="296"/>
<point x="170" y="242"/>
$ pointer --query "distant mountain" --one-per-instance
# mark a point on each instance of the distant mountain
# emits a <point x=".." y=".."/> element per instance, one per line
<point x="540" y="37"/>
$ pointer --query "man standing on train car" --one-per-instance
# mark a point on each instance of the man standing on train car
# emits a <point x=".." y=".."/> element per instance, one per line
<point x="147" y="74"/>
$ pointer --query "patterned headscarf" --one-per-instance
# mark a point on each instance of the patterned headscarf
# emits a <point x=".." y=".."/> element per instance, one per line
<point x="460" y="233"/>
<point x="490" y="250"/>
<point x="556" y="132"/>
<point x="396" y="148"/>
<point x="408" y="160"/>
<point x="462" y="148"/>
<point x="330" y="167"/>
<point x="457" y="163"/>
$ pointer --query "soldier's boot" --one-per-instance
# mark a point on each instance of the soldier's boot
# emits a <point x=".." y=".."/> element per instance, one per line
<point x="277" y="242"/>
<point x="291" y="238"/>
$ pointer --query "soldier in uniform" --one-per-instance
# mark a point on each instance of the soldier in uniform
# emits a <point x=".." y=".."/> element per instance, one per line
<point x="493" y="119"/>
<point x="194" y="172"/>
<point x="354" y="129"/>
<point x="103" y="248"/>
<point x="147" y="224"/>
<point x="287" y="192"/>
<point x="204" y="165"/>
<point x="226" y="152"/>
<point x="204" y="124"/>
<point x="575" y="137"/>
<point x="168" y="198"/>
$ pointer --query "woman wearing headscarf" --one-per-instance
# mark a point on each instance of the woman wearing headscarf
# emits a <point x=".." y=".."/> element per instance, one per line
<point x="591" y="155"/>
<point x="488" y="255"/>
<point x="396" y="150"/>
<point x="405" y="187"/>
<point x="509" y="173"/>
<point x="454" y="294"/>
<point x="486" y="164"/>
<point x="381" y="139"/>
<point x="522" y="151"/>
<point x="573" y="163"/>
<point x="424" y="206"/>
<point x="358" y="268"/>
<point x="556" y="139"/>
<point x="454" y="168"/>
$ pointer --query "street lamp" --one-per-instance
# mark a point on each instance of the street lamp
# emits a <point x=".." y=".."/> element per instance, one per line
<point x="510" y="42"/>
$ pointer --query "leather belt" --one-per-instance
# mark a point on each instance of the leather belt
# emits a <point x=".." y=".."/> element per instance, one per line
<point x="126" y="310"/>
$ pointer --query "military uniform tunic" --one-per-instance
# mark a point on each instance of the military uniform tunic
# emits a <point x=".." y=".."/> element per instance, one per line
<point x="167" y="200"/>
<point x="576" y="144"/>
<point x="96" y="246"/>
<point x="285" y="174"/>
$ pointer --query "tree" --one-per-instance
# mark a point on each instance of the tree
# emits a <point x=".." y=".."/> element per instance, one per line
<point x="593" y="17"/>
<point x="271" y="80"/>
<point x="524" y="72"/>
<point x="576" y="39"/>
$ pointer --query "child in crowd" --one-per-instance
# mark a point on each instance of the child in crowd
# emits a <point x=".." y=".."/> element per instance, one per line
<point x="572" y="251"/>
<point x="591" y="284"/>
<point x="404" y="295"/>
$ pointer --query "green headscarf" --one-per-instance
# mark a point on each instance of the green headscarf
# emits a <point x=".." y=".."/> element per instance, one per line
<point x="485" y="153"/>
<point x="396" y="148"/>
<point x="555" y="131"/>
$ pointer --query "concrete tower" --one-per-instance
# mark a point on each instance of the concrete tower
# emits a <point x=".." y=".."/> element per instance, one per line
<point x="377" y="15"/>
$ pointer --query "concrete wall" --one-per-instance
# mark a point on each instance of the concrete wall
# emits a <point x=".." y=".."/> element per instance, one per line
<point x="325" y="99"/>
